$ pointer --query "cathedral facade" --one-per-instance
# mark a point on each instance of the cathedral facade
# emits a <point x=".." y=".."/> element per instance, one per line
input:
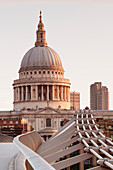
<point x="42" y="93"/>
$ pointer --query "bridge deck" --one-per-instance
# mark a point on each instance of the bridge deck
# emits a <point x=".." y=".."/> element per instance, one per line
<point x="79" y="140"/>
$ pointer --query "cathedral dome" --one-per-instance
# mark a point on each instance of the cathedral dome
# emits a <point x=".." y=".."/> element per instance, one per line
<point x="41" y="57"/>
<point x="41" y="80"/>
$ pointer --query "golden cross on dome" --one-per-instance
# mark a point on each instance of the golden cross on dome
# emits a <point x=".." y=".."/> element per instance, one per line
<point x="40" y="16"/>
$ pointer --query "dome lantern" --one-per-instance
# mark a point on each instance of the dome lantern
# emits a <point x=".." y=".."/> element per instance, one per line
<point x="40" y="34"/>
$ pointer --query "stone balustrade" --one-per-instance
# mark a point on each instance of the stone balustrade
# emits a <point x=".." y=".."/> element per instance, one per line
<point x="42" y="79"/>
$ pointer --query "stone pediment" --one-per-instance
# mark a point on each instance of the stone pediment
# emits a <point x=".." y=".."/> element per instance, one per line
<point x="48" y="110"/>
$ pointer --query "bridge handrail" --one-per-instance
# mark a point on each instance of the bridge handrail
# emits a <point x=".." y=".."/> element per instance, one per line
<point x="35" y="160"/>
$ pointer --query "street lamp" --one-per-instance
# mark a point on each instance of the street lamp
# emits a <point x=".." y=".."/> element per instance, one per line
<point x="23" y="121"/>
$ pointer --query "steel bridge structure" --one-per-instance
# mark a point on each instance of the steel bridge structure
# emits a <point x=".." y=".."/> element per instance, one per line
<point x="77" y="142"/>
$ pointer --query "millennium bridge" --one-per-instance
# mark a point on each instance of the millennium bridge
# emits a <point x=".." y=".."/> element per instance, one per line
<point x="77" y="142"/>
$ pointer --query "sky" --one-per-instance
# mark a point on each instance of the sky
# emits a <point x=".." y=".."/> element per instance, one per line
<point x="80" y="31"/>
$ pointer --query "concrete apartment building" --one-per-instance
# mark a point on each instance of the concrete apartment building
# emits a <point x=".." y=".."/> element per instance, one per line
<point x="99" y="97"/>
<point x="74" y="100"/>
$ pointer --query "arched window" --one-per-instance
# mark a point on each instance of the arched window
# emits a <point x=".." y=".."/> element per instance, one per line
<point x="48" y="122"/>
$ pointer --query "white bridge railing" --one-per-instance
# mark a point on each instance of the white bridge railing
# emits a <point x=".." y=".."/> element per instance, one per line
<point x="35" y="160"/>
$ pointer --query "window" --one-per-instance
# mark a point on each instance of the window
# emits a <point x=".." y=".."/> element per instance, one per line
<point x="48" y="122"/>
<point x="48" y="72"/>
<point x="97" y="120"/>
<point x="39" y="72"/>
<point x="4" y="122"/>
<point x="35" y="72"/>
<point x="41" y="35"/>
<point x="112" y="137"/>
<point x="62" y="123"/>
<point x="27" y="72"/>
<point x="44" y="72"/>
<point x="30" y="72"/>
<point x="16" y="122"/>
<point x="11" y="122"/>
<point x="52" y="72"/>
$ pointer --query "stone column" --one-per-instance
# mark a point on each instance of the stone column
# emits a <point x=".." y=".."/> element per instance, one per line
<point x="53" y="92"/>
<point x="61" y="92"/>
<point x="31" y="92"/>
<point x="37" y="92"/>
<point x="26" y="93"/>
<point x="57" y="92"/>
<point x="69" y="94"/>
<point x="14" y="93"/>
<point x="42" y="96"/>
<point x="47" y="92"/>
<point x="22" y="93"/>
<point x="65" y="93"/>
<point x="18" y="93"/>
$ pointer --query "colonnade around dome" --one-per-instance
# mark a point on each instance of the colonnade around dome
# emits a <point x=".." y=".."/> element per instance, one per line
<point x="41" y="92"/>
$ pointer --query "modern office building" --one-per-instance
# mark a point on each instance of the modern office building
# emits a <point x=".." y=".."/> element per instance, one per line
<point x="74" y="100"/>
<point x="99" y="97"/>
